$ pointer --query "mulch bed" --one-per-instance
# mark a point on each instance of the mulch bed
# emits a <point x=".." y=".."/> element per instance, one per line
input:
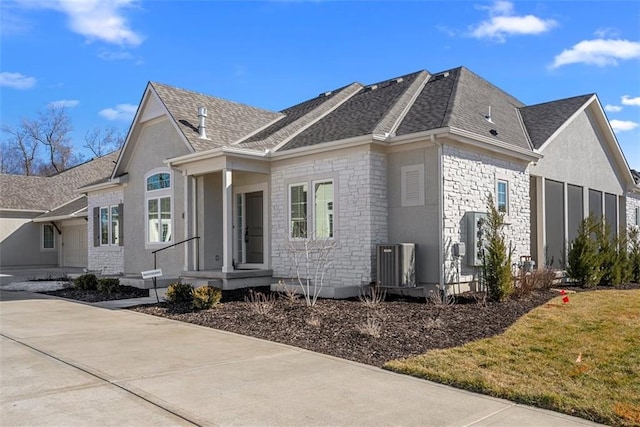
<point x="408" y="327"/>
<point x="125" y="292"/>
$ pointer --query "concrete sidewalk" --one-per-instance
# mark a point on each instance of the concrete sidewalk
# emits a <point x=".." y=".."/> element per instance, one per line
<point x="65" y="363"/>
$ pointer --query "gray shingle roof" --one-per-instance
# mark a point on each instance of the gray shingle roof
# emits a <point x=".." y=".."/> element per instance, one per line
<point x="542" y="120"/>
<point x="227" y="121"/>
<point x="299" y="116"/>
<point x="73" y="207"/>
<point x="359" y="115"/>
<point x="461" y="99"/>
<point x="44" y="193"/>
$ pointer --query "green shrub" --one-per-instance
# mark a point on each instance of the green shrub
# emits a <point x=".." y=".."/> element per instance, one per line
<point x="634" y="254"/>
<point x="86" y="282"/>
<point x="108" y="285"/>
<point x="496" y="258"/>
<point x="206" y="297"/>
<point x="179" y="293"/>
<point x="584" y="259"/>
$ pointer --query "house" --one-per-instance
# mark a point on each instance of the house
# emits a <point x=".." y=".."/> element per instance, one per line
<point x="409" y="159"/>
<point x="43" y="220"/>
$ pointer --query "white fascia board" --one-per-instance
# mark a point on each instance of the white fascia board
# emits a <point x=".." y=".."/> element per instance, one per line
<point x="476" y="140"/>
<point x="24" y="210"/>
<point x="176" y="162"/>
<point x="78" y="214"/>
<point x="417" y="136"/>
<point x="112" y="183"/>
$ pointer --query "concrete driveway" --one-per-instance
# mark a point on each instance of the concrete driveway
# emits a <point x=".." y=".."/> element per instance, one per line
<point x="65" y="363"/>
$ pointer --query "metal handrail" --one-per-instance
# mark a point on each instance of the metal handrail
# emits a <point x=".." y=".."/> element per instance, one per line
<point x="155" y="263"/>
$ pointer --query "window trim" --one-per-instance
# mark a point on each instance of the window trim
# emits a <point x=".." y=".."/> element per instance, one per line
<point x="159" y="194"/>
<point x="637" y="216"/>
<point x="109" y="209"/>
<point x="310" y="182"/>
<point x="53" y="231"/>
<point x="313" y="207"/>
<point x="507" y="198"/>
<point x="289" y="209"/>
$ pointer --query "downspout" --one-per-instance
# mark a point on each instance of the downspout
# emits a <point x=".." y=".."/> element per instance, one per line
<point x="441" y="225"/>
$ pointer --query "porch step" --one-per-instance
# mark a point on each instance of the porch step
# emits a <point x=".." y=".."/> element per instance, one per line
<point x="228" y="280"/>
<point x="139" y="282"/>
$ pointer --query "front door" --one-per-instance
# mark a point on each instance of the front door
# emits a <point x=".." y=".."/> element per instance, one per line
<point x="250" y="238"/>
<point x="254" y="236"/>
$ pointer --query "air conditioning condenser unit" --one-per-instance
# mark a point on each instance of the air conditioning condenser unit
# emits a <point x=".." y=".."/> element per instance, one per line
<point x="396" y="265"/>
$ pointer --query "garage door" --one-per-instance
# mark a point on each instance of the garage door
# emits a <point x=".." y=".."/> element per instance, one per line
<point x="74" y="246"/>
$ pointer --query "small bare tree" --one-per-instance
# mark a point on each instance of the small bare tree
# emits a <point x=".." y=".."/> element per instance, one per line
<point x="52" y="129"/>
<point x="103" y="141"/>
<point x="19" y="151"/>
<point x="312" y="257"/>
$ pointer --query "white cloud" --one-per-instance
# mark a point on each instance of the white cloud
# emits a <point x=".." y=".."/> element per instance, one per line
<point x="598" y="52"/>
<point x="124" y="112"/>
<point x="102" y="20"/>
<point x="64" y="103"/>
<point x="613" y="108"/>
<point x="602" y="33"/>
<point x="108" y="55"/>
<point x="626" y="100"/>
<point x="16" y="80"/>
<point x="503" y="22"/>
<point x="622" y="125"/>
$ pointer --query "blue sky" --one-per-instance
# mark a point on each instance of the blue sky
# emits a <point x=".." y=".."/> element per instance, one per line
<point x="96" y="56"/>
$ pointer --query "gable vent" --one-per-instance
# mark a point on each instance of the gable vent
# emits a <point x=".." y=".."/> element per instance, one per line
<point x="412" y="185"/>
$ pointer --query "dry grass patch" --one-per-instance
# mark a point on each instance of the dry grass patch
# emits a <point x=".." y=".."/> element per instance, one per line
<point x="580" y="358"/>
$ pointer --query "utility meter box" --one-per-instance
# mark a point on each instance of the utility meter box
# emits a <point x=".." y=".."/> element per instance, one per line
<point x="476" y="240"/>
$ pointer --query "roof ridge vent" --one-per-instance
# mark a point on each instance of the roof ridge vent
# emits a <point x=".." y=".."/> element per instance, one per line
<point x="399" y="80"/>
<point x="441" y="76"/>
<point x="325" y="94"/>
<point x="371" y="87"/>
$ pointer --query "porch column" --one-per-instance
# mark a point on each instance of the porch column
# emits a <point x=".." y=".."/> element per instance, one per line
<point x="227" y="220"/>
<point x="542" y="222"/>
<point x="190" y="223"/>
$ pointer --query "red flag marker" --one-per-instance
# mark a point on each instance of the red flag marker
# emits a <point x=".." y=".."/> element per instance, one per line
<point x="565" y="298"/>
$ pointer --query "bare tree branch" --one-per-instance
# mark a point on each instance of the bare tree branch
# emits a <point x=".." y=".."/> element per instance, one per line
<point x="52" y="129"/>
<point x="103" y="141"/>
<point x="19" y="151"/>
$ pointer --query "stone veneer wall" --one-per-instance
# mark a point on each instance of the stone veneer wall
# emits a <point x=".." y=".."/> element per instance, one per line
<point x="469" y="177"/>
<point x="360" y="212"/>
<point x="108" y="259"/>
<point x="633" y="201"/>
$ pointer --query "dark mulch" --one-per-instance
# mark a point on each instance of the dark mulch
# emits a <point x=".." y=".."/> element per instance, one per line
<point x="408" y="326"/>
<point x="124" y="292"/>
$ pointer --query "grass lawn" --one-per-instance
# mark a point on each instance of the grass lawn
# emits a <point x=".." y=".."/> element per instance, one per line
<point x="581" y="358"/>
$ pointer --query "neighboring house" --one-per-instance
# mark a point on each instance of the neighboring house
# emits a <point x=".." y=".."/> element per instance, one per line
<point x="410" y="159"/>
<point x="43" y="220"/>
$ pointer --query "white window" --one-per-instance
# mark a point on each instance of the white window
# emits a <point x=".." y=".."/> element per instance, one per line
<point x="412" y="185"/>
<point x="298" y="211"/>
<point x="48" y="236"/>
<point x="323" y="209"/>
<point x="158" y="207"/>
<point x="502" y="196"/>
<point x="109" y="226"/>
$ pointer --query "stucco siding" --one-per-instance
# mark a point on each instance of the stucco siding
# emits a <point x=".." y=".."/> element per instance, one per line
<point x="157" y="142"/>
<point x="576" y="153"/>
<point x="20" y="241"/>
<point x="360" y="211"/>
<point x="468" y="178"/>
<point x="416" y="224"/>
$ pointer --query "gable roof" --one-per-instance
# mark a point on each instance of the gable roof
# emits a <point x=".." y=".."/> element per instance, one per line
<point x="73" y="208"/>
<point x="37" y="193"/>
<point x="226" y="121"/>
<point x="543" y="120"/>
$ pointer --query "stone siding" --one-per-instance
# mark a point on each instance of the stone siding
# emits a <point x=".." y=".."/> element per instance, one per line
<point x="469" y="177"/>
<point x="633" y="202"/>
<point x="360" y="213"/>
<point x="107" y="259"/>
